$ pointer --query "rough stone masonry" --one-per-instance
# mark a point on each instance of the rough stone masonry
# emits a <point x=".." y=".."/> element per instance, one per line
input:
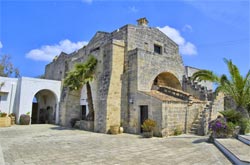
<point x="140" y="74"/>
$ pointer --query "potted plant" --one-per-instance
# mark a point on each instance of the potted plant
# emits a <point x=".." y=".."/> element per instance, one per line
<point x="13" y="118"/>
<point x="25" y="119"/>
<point x="147" y="128"/>
<point x="114" y="129"/>
<point x="3" y="114"/>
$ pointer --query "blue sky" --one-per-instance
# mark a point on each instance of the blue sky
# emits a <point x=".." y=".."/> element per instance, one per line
<point x="34" y="31"/>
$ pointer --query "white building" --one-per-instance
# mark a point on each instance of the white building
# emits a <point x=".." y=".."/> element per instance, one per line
<point x="39" y="97"/>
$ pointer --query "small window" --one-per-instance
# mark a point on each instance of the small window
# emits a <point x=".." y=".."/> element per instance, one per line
<point x="146" y="46"/>
<point x="157" y="49"/>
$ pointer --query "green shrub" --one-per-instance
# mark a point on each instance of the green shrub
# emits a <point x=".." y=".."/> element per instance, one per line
<point x="148" y="125"/>
<point x="177" y="131"/>
<point x="245" y="126"/>
<point x="232" y="116"/>
<point x="230" y="128"/>
<point x="3" y="114"/>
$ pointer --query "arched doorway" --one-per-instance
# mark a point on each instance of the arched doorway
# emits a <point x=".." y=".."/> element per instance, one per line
<point x="167" y="79"/>
<point x="44" y="107"/>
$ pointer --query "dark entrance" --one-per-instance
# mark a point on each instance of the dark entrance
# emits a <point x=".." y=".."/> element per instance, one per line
<point x="84" y="111"/>
<point x="34" y="113"/>
<point x="143" y="114"/>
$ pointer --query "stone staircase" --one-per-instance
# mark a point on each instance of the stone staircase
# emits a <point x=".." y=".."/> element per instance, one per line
<point x="199" y="126"/>
<point x="196" y="89"/>
<point x="237" y="150"/>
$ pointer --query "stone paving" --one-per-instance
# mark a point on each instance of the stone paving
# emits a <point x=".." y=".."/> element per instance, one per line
<point x="50" y="145"/>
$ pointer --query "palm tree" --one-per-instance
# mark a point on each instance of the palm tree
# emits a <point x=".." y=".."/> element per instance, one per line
<point x="83" y="74"/>
<point x="236" y="86"/>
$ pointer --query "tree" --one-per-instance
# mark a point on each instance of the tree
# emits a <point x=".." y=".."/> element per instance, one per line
<point x="83" y="74"/>
<point x="7" y="69"/>
<point x="236" y="86"/>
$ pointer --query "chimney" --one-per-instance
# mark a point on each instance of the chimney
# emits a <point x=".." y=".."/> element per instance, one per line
<point x="142" y="22"/>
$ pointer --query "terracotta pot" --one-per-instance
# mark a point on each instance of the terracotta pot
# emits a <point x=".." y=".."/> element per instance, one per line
<point x="24" y="119"/>
<point x="114" y="129"/>
<point x="147" y="134"/>
<point x="5" y="122"/>
<point x="121" y="130"/>
<point x="13" y="120"/>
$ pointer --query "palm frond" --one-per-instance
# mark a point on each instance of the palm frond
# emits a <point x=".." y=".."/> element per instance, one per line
<point x="81" y="74"/>
<point x="205" y="75"/>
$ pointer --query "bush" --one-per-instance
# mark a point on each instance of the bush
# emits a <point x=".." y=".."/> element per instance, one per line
<point x="177" y="131"/>
<point x="230" y="127"/>
<point x="236" y="118"/>
<point x="12" y="115"/>
<point x="245" y="126"/>
<point x="148" y="125"/>
<point x="232" y="116"/>
<point x="3" y="114"/>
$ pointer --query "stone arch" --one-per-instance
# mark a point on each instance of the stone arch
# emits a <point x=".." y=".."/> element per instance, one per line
<point x="44" y="110"/>
<point x="167" y="79"/>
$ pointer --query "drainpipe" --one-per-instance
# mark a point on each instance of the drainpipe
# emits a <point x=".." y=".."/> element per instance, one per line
<point x="11" y="96"/>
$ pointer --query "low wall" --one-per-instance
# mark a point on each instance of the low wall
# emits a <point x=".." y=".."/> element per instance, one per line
<point x="87" y="125"/>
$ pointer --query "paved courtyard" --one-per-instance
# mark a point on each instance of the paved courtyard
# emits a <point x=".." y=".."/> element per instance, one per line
<point x="50" y="145"/>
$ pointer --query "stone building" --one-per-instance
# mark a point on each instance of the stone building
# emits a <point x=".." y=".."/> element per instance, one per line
<point x="140" y="74"/>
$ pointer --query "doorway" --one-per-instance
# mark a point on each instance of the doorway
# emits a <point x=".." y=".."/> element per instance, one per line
<point x="44" y="108"/>
<point x="143" y="114"/>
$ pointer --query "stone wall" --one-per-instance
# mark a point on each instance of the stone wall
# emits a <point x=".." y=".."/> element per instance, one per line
<point x="189" y="71"/>
<point x="70" y="108"/>
<point x="114" y="97"/>
<point x="154" y="112"/>
<point x="143" y="39"/>
<point x="56" y="69"/>
<point x="217" y="105"/>
<point x="180" y="116"/>
<point x="150" y="65"/>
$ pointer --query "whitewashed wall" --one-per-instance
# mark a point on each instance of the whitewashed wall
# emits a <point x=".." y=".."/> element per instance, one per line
<point x="19" y="94"/>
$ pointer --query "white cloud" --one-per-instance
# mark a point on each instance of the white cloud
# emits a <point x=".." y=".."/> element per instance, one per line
<point x="87" y="1"/>
<point x="133" y="9"/>
<point x="186" y="48"/>
<point x="1" y="45"/>
<point x="187" y="28"/>
<point x="48" y="52"/>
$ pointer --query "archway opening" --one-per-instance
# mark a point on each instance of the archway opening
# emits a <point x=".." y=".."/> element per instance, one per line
<point x="44" y="108"/>
<point x="167" y="79"/>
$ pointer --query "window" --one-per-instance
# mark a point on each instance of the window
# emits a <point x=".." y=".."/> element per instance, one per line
<point x="157" y="49"/>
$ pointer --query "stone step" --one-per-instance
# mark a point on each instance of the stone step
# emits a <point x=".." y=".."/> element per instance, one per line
<point x="193" y="129"/>
<point x="245" y="139"/>
<point x="195" y="125"/>
<point x="192" y="132"/>
<point x="235" y="150"/>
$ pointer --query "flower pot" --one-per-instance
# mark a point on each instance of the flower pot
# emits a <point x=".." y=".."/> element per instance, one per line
<point x="5" y="122"/>
<point x="147" y="134"/>
<point x="121" y="130"/>
<point x="24" y="119"/>
<point x="114" y="129"/>
<point x="13" y="120"/>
